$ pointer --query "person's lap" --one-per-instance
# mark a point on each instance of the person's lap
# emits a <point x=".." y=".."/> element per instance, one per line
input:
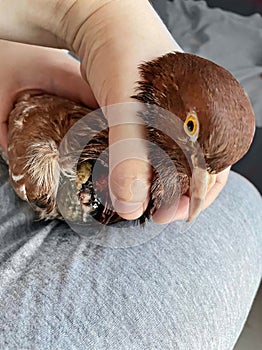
<point x="181" y="290"/>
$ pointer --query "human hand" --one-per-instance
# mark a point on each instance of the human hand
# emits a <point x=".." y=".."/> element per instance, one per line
<point x="112" y="41"/>
<point x="110" y="66"/>
<point x="173" y="213"/>
<point x="25" y="67"/>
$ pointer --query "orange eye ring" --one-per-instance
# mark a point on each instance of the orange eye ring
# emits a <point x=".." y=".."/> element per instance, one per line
<point x="191" y="125"/>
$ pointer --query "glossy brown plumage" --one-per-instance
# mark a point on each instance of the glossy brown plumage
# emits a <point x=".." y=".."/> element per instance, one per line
<point x="183" y="83"/>
<point x="180" y="83"/>
<point x="37" y="125"/>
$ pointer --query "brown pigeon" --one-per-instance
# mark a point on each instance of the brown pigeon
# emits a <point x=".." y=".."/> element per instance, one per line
<point x="216" y="117"/>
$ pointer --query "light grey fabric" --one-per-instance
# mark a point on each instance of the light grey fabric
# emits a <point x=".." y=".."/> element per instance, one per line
<point x="181" y="290"/>
<point x="231" y="40"/>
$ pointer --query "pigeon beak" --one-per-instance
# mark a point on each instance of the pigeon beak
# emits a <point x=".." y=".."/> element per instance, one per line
<point x="198" y="190"/>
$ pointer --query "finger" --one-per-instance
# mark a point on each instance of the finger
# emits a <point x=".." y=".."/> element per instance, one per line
<point x="211" y="182"/>
<point x="6" y="105"/>
<point x="167" y="214"/>
<point x="75" y="88"/>
<point x="3" y="136"/>
<point x="129" y="170"/>
<point x="129" y="187"/>
<point x="68" y="82"/>
<point x="220" y="183"/>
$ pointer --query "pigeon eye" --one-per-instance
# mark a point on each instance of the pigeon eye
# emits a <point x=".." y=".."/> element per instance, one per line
<point x="191" y="125"/>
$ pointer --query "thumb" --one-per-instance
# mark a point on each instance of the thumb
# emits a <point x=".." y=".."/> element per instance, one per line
<point x="130" y="171"/>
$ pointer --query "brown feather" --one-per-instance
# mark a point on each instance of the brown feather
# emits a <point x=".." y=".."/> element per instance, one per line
<point x="182" y="83"/>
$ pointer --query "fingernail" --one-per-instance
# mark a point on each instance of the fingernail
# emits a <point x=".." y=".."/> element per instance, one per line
<point x="129" y="190"/>
<point x="139" y="190"/>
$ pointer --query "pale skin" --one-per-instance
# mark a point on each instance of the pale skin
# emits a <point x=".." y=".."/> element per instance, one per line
<point x="112" y="37"/>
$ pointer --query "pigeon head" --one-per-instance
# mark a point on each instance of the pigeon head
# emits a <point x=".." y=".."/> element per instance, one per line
<point x="216" y="113"/>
